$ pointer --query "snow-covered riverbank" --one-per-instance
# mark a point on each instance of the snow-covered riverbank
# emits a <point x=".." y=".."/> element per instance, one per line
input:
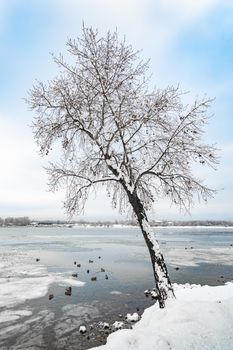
<point x="201" y="317"/>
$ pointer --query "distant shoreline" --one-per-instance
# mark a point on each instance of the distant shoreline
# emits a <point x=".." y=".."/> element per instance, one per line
<point x="122" y="224"/>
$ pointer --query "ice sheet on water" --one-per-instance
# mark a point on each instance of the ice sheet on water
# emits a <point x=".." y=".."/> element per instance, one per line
<point x="67" y="327"/>
<point x="34" y="338"/>
<point x="26" y="333"/>
<point x="12" y="315"/>
<point x="22" y="278"/>
<point x="17" y="291"/>
<point x="30" y="345"/>
<point x="12" y="330"/>
<point x="193" y="257"/>
<point x="83" y="311"/>
<point x="62" y="281"/>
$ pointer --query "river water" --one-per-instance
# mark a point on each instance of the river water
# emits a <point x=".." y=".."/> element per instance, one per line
<point x="36" y="262"/>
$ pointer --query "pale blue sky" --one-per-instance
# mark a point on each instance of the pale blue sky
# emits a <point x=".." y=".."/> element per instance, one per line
<point x="188" y="42"/>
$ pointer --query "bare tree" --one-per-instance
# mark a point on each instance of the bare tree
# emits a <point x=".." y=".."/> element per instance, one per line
<point x="115" y="133"/>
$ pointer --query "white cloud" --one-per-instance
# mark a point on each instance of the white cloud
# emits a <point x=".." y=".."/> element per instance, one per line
<point x="189" y="10"/>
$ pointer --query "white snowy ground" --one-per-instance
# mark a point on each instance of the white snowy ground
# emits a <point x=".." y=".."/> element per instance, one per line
<point x="200" y="318"/>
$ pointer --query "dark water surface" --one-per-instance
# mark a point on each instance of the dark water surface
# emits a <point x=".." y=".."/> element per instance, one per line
<point x="29" y="320"/>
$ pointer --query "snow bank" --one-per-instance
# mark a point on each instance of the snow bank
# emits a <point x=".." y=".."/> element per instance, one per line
<point x="199" y="318"/>
<point x="132" y="317"/>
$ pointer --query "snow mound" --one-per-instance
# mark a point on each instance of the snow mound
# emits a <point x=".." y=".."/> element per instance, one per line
<point x="200" y="317"/>
<point x="82" y="329"/>
<point x="118" y="324"/>
<point x="132" y="317"/>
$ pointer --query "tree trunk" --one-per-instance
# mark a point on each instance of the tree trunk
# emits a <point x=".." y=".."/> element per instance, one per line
<point x="162" y="281"/>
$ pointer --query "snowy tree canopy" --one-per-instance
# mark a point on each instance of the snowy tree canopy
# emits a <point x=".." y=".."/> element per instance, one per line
<point x="114" y="131"/>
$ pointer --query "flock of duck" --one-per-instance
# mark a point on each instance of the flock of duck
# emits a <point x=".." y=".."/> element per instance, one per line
<point x="68" y="290"/>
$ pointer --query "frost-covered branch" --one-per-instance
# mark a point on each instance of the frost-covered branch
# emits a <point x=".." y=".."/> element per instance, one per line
<point x="100" y="104"/>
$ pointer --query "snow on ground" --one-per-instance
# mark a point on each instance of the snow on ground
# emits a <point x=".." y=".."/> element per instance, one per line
<point x="200" y="318"/>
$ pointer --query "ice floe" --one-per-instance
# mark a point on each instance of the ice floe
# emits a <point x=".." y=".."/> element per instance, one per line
<point x="12" y="315"/>
<point x="26" y="332"/>
<point x="193" y="257"/>
<point x="83" y="311"/>
<point x="22" y="278"/>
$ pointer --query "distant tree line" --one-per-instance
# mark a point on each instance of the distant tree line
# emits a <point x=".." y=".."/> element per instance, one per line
<point x="157" y="223"/>
<point x="193" y="223"/>
<point x="25" y="221"/>
<point x="15" y="221"/>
